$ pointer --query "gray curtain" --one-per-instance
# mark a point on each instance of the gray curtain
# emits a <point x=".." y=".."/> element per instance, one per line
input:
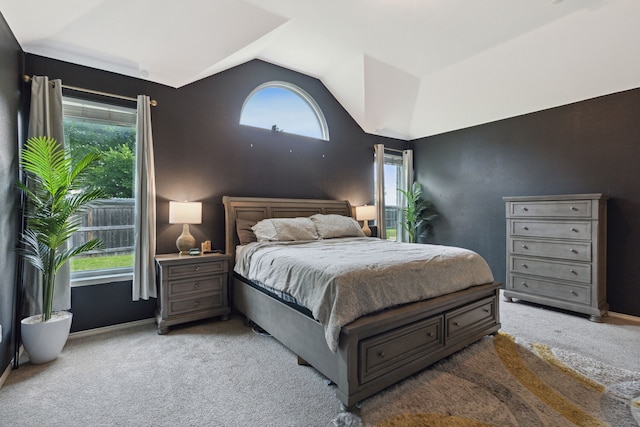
<point x="406" y="181"/>
<point x="45" y="119"/>
<point x="144" y="283"/>
<point x="380" y="206"/>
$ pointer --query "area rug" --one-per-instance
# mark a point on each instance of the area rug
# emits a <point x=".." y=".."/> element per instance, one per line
<point x="502" y="381"/>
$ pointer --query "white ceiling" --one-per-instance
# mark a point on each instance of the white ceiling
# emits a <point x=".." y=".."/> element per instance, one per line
<point x="401" y="68"/>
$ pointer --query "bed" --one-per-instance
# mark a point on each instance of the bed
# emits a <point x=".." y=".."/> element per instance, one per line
<point x="375" y="350"/>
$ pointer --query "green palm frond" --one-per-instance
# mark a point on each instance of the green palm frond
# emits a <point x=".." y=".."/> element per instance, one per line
<point x="418" y="213"/>
<point x="55" y="192"/>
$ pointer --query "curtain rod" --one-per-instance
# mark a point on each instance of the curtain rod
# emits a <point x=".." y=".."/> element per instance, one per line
<point x="153" y="102"/>
<point x="393" y="149"/>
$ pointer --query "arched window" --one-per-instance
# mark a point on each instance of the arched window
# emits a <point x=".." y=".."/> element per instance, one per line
<point x="284" y="107"/>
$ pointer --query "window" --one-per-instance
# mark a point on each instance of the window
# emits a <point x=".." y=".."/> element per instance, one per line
<point x="110" y="129"/>
<point x="393" y="172"/>
<point x="284" y="107"/>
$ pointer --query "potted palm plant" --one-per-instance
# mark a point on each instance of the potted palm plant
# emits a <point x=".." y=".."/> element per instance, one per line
<point x="418" y="213"/>
<point x="55" y="193"/>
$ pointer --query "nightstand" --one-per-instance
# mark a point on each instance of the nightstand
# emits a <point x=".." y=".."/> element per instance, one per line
<point x="191" y="288"/>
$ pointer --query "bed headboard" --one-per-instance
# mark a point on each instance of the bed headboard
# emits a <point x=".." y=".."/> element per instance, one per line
<point x="258" y="208"/>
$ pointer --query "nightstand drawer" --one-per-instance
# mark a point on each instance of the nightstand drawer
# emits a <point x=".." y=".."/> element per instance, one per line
<point x="566" y="292"/>
<point x="202" y="302"/>
<point x="180" y="288"/>
<point x="559" y="270"/>
<point x="203" y="267"/>
<point x="579" y="230"/>
<point x="558" y="209"/>
<point x="574" y="251"/>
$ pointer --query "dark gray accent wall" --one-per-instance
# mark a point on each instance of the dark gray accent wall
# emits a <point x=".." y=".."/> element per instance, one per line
<point x="10" y="71"/>
<point x="202" y="153"/>
<point x="587" y="147"/>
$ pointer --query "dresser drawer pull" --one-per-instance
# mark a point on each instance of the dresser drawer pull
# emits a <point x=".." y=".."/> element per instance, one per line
<point x="525" y="284"/>
<point x="573" y="271"/>
<point x="486" y="310"/>
<point x="381" y="354"/>
<point x="573" y="208"/>
<point x="573" y="251"/>
<point x="575" y="230"/>
<point x="524" y="247"/>
<point x="196" y="285"/>
<point x="524" y="227"/>
<point x="525" y="265"/>
<point x="430" y="334"/>
<point x="574" y="293"/>
<point x="197" y="303"/>
<point x="456" y="323"/>
<point x="198" y="268"/>
<point x="524" y="209"/>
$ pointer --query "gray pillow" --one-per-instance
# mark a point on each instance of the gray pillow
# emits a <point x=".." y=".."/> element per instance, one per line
<point x="333" y="226"/>
<point x="285" y="229"/>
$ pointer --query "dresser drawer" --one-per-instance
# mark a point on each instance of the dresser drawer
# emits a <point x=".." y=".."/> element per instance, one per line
<point x="200" y="302"/>
<point x="203" y="267"/>
<point x="559" y="270"/>
<point x="575" y="251"/>
<point x="578" y="230"/>
<point x="180" y="288"/>
<point x="561" y="291"/>
<point x="558" y="209"/>
<point x="468" y="317"/>
<point x="386" y="351"/>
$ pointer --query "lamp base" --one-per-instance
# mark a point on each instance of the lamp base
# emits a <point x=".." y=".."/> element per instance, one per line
<point x="365" y="228"/>
<point x="186" y="241"/>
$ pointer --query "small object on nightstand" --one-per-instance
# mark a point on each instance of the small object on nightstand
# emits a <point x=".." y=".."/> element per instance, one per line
<point x="194" y="251"/>
<point x="205" y="246"/>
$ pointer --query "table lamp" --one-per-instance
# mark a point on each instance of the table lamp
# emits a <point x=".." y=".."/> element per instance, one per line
<point x="185" y="213"/>
<point x="365" y="214"/>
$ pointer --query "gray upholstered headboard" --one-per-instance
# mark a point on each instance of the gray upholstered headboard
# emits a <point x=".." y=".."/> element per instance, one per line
<point x="258" y="208"/>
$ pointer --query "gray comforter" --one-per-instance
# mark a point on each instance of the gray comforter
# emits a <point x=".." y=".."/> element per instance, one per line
<point x="340" y="280"/>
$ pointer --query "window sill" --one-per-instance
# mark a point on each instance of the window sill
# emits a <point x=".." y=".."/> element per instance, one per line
<point x="101" y="279"/>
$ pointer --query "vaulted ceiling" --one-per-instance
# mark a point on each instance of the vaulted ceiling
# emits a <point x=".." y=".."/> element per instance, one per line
<point x="401" y="68"/>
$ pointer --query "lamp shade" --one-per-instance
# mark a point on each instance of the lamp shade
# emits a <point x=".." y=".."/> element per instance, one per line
<point x="185" y="212"/>
<point x="365" y="213"/>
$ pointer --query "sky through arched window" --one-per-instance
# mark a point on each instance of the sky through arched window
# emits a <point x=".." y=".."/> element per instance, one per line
<point x="284" y="107"/>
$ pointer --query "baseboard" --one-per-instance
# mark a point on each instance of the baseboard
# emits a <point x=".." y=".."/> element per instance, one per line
<point x="111" y="328"/>
<point x="628" y="317"/>
<point x="5" y="374"/>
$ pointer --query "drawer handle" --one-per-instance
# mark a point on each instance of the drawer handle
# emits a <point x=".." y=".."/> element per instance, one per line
<point x="198" y="268"/>
<point x="525" y="265"/>
<point x="575" y="230"/>
<point x="486" y="310"/>
<point x="430" y="334"/>
<point x="381" y="354"/>
<point x="524" y="247"/>
<point x="573" y="208"/>
<point x="456" y="324"/>
<point x="573" y="271"/>
<point x="524" y="209"/>
<point x="524" y="227"/>
<point x="574" y="293"/>
<point x="196" y="285"/>
<point x="525" y="284"/>
<point x="195" y="304"/>
<point x="573" y="251"/>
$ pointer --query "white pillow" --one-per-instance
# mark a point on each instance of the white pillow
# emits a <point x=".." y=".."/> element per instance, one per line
<point x="285" y="229"/>
<point x="332" y="226"/>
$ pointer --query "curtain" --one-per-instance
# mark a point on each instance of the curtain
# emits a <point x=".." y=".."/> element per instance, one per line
<point x="45" y="119"/>
<point x="380" y="204"/>
<point x="144" y="282"/>
<point x="406" y="181"/>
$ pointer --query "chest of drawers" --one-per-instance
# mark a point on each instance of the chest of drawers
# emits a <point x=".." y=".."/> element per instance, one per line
<point x="556" y="251"/>
<point x="191" y="288"/>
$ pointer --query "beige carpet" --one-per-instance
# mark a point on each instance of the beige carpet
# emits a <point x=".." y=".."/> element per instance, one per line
<point x="215" y="373"/>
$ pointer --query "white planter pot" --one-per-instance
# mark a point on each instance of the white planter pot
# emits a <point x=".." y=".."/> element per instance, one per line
<point x="44" y="341"/>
